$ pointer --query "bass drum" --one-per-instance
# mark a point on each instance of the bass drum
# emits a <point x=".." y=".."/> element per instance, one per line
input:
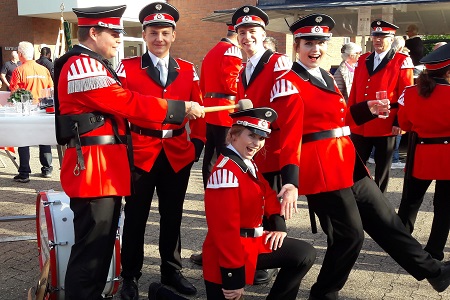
<point x="55" y="236"/>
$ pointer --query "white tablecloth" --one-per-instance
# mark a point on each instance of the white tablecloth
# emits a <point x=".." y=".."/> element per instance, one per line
<point x="17" y="130"/>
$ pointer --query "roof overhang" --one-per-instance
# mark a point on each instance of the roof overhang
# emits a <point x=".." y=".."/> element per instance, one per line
<point x="431" y="16"/>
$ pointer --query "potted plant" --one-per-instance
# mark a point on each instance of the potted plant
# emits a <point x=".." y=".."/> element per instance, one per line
<point x="16" y="96"/>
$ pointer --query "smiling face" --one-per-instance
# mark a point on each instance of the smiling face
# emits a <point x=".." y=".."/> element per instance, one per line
<point x="251" y="39"/>
<point x="382" y="43"/>
<point x="105" y="42"/>
<point x="310" y="52"/>
<point x="246" y="142"/>
<point x="159" y="39"/>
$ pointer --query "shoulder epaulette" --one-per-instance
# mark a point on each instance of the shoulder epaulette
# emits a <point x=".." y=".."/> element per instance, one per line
<point x="233" y="51"/>
<point x="407" y="63"/>
<point x="282" y="87"/>
<point x="85" y="74"/>
<point x="222" y="178"/>
<point x="120" y="71"/>
<point x="183" y="60"/>
<point x="283" y="63"/>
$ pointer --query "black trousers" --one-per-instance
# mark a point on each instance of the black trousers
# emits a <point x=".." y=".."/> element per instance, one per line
<point x="95" y="226"/>
<point x="45" y="158"/>
<point x="171" y="190"/>
<point x="215" y="142"/>
<point x="410" y="204"/>
<point x="294" y="259"/>
<point x="384" y="148"/>
<point x="341" y="222"/>
<point x="384" y="226"/>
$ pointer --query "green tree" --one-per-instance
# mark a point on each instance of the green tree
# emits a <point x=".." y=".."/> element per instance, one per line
<point x="430" y="40"/>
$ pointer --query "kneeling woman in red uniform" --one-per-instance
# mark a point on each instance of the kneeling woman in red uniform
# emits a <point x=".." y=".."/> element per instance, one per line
<point x="237" y="197"/>
<point x="425" y="109"/>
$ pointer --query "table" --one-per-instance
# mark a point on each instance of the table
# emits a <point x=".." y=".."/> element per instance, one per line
<point x="18" y="131"/>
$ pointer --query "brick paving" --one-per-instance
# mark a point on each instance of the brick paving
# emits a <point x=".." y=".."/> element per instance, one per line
<point x="374" y="276"/>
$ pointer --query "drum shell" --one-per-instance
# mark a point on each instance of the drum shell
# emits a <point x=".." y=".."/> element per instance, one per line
<point x="55" y="237"/>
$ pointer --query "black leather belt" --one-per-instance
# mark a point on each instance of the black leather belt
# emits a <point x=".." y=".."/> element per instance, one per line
<point x="252" y="232"/>
<point x="220" y="95"/>
<point x="326" y="134"/>
<point x="438" y="140"/>
<point x="98" y="140"/>
<point x="394" y="105"/>
<point x="162" y="134"/>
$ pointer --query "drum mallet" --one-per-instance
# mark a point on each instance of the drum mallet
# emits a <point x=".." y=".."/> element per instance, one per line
<point x="241" y="105"/>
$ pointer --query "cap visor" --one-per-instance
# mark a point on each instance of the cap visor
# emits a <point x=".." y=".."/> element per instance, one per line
<point x="315" y="37"/>
<point x="120" y="31"/>
<point x="258" y="132"/>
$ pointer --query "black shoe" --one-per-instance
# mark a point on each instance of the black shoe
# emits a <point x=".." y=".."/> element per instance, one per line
<point x="21" y="178"/>
<point x="441" y="282"/>
<point x="46" y="174"/>
<point x="157" y="291"/>
<point x="129" y="289"/>
<point x="197" y="259"/>
<point x="178" y="282"/>
<point x="264" y="276"/>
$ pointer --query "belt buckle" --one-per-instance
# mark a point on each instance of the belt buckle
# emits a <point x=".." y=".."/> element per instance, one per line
<point x="167" y="133"/>
<point x="345" y="130"/>
<point x="258" y="232"/>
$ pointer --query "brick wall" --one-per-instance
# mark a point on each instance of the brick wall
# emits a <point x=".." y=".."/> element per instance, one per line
<point x="194" y="36"/>
<point x="15" y="29"/>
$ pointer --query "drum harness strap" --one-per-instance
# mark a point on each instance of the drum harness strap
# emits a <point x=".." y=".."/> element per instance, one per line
<point x="83" y="123"/>
<point x="70" y="127"/>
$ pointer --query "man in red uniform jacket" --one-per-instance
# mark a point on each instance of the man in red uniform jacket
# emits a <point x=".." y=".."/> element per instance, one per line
<point x="381" y="70"/>
<point x="91" y="108"/>
<point x="218" y="82"/>
<point x="163" y="155"/>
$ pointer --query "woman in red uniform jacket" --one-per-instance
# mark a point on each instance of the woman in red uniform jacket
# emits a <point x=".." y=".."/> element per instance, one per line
<point x="237" y="197"/>
<point x="418" y="108"/>
<point x="321" y="158"/>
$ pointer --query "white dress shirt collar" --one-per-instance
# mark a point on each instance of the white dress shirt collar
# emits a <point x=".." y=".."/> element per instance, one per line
<point x="155" y="59"/>
<point x="247" y="162"/>
<point x="313" y="71"/>
<point x="256" y="57"/>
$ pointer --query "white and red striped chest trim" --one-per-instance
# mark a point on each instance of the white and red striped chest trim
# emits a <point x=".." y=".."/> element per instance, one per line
<point x="85" y="67"/>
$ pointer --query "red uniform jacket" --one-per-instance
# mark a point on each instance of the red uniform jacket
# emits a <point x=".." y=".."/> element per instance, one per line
<point x="220" y="70"/>
<point x="85" y="85"/>
<point x="234" y="199"/>
<point x="304" y="105"/>
<point x="270" y="66"/>
<point x="429" y="117"/>
<point x="139" y="74"/>
<point x="393" y="74"/>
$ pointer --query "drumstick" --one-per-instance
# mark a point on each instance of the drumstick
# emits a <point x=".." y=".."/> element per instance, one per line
<point x="241" y="105"/>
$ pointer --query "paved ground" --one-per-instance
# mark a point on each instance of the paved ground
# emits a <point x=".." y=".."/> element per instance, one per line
<point x="375" y="275"/>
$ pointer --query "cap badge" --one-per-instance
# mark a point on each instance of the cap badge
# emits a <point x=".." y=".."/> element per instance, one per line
<point x="268" y="114"/>
<point x="158" y="6"/>
<point x="319" y="19"/>
<point x="317" y="29"/>
<point x="159" y="16"/>
<point x="378" y="29"/>
<point x="263" y="124"/>
<point x="246" y="9"/>
<point x="378" y="23"/>
<point x="247" y="18"/>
